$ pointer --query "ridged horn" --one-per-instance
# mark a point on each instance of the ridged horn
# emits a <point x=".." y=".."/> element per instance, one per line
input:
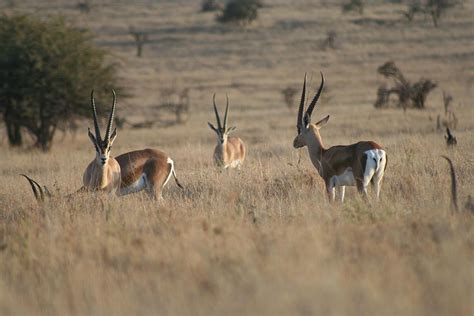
<point x="94" y="114"/>
<point x="111" y="118"/>
<point x="299" y="121"/>
<point x="310" y="109"/>
<point x="219" y="126"/>
<point x="226" y="109"/>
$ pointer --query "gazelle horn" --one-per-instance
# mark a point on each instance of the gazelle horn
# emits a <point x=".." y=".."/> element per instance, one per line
<point x="226" y="109"/>
<point x="299" y="121"/>
<point x="94" y="114"/>
<point x="217" y="113"/>
<point x="111" y="118"/>
<point x="310" y="109"/>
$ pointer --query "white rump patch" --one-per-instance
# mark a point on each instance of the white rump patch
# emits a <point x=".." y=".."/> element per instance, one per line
<point x="345" y="178"/>
<point x="375" y="164"/>
<point x="136" y="186"/>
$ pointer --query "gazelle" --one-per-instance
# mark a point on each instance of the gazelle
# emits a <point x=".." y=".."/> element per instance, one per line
<point x="103" y="173"/>
<point x="345" y="165"/>
<point x="229" y="151"/>
<point x="146" y="169"/>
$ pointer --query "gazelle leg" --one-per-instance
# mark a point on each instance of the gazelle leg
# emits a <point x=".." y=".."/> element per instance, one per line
<point x="377" y="181"/>
<point x="362" y="187"/>
<point x="331" y="192"/>
<point x="341" y="190"/>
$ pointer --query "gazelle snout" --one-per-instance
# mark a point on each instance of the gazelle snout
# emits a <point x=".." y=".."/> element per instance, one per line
<point x="298" y="142"/>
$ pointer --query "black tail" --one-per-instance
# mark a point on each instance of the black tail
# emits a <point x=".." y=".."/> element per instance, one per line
<point x="454" y="194"/>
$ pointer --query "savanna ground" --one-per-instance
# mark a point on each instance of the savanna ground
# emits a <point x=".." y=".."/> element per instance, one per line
<point x="262" y="241"/>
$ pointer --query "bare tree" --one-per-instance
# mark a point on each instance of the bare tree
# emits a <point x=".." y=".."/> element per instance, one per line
<point x="289" y="94"/>
<point x="141" y="38"/>
<point x="330" y="41"/>
<point x="84" y="6"/>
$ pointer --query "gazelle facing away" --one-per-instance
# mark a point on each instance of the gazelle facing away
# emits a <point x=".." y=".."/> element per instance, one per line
<point x="146" y="169"/>
<point x="345" y="165"/>
<point x="103" y="173"/>
<point x="229" y="151"/>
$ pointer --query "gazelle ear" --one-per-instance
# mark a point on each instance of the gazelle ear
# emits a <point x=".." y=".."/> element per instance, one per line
<point x="112" y="137"/>
<point x="91" y="136"/>
<point x="212" y="126"/>
<point x="93" y="139"/>
<point x="323" y="121"/>
<point x="306" y="120"/>
<point x="230" y="129"/>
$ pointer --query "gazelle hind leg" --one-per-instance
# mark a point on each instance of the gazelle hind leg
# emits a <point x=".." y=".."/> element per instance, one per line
<point x="341" y="191"/>
<point x="153" y="192"/>
<point x="378" y="176"/>
<point x="330" y="190"/>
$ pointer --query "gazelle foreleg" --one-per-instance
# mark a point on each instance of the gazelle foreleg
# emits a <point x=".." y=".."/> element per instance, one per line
<point x="341" y="190"/>
<point x="330" y="190"/>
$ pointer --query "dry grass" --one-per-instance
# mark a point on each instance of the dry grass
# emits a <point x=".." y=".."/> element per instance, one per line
<point x="263" y="241"/>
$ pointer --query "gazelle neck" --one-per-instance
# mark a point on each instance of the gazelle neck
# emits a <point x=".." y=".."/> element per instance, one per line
<point x="316" y="148"/>
<point x="101" y="172"/>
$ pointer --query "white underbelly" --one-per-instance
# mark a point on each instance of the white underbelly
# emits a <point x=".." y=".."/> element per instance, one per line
<point x="136" y="186"/>
<point x="343" y="179"/>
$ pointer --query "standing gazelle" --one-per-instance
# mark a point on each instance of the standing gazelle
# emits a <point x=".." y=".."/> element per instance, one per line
<point x="345" y="165"/>
<point x="103" y="173"/>
<point x="229" y="151"/>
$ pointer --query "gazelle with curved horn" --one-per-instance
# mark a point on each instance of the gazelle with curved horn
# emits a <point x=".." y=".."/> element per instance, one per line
<point x="103" y="173"/>
<point x="229" y="151"/>
<point x="345" y="165"/>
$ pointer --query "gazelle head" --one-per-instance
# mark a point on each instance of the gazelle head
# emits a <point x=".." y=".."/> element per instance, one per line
<point x="222" y="131"/>
<point x="303" y="125"/>
<point x="102" y="146"/>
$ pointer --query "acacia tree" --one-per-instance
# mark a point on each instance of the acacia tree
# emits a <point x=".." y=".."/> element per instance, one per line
<point x="48" y="71"/>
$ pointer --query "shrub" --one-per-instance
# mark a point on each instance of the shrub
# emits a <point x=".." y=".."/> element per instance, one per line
<point x="409" y="95"/>
<point x="210" y="5"/>
<point x="289" y="94"/>
<point x="48" y="71"/>
<point x="434" y="8"/>
<point x="240" y="11"/>
<point x="353" y="5"/>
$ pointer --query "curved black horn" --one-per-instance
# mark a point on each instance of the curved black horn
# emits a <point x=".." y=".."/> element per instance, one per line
<point x="310" y="109"/>
<point x="226" y="109"/>
<point x="299" y="121"/>
<point x="454" y="194"/>
<point x="37" y="190"/>
<point x="111" y="118"/>
<point x="94" y="114"/>
<point x="219" y="126"/>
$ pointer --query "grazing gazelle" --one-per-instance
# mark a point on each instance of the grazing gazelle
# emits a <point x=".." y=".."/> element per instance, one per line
<point x="229" y="151"/>
<point x="345" y="165"/>
<point x="146" y="169"/>
<point x="103" y="173"/>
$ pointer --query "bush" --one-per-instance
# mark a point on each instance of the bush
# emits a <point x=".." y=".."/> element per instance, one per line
<point x="210" y="5"/>
<point x="434" y="8"/>
<point x="353" y="5"/>
<point x="240" y="11"/>
<point x="409" y="95"/>
<point x="48" y="71"/>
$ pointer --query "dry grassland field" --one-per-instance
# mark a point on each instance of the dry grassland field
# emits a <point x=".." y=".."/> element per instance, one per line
<point x="265" y="240"/>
